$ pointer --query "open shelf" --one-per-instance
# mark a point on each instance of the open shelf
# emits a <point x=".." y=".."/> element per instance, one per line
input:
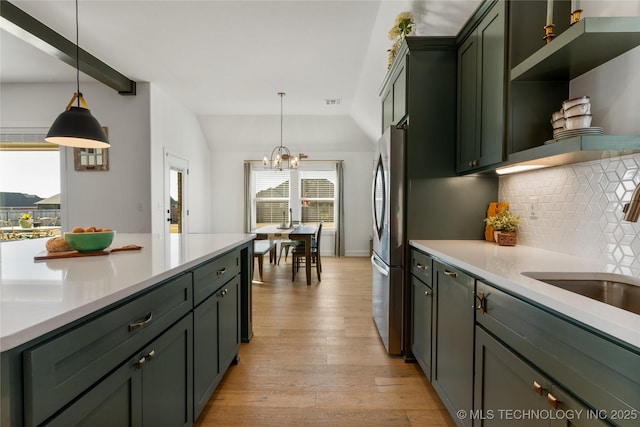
<point x="583" y="46"/>
<point x="576" y="150"/>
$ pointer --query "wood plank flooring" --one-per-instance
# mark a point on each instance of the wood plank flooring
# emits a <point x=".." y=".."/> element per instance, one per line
<point x="316" y="359"/>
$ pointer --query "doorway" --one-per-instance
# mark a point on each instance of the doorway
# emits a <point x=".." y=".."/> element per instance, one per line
<point x="176" y="172"/>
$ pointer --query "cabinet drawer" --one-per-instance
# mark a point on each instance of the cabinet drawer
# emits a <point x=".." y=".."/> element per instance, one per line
<point x="60" y="369"/>
<point x="208" y="277"/>
<point x="595" y="368"/>
<point x="421" y="266"/>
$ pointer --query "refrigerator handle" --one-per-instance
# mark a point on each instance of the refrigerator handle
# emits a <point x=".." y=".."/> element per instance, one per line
<point x="379" y="267"/>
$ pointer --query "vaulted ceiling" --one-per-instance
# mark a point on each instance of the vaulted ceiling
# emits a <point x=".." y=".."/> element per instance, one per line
<point x="232" y="57"/>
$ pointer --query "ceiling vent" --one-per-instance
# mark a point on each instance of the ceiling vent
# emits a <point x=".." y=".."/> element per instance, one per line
<point x="333" y="101"/>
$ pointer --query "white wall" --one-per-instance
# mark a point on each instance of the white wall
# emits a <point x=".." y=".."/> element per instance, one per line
<point x="118" y="198"/>
<point x="128" y="197"/>
<point x="235" y="139"/>
<point x="580" y="206"/>
<point x="176" y="130"/>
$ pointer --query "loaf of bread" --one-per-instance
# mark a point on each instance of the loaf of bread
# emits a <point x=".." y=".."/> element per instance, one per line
<point x="58" y="244"/>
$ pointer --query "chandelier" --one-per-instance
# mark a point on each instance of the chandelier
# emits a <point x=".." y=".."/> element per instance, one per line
<point x="281" y="157"/>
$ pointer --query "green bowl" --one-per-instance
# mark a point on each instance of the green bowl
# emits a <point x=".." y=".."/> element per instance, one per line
<point x="89" y="242"/>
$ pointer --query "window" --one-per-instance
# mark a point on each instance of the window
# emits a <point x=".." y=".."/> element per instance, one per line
<point x="271" y="197"/>
<point x="309" y="193"/>
<point x="317" y="196"/>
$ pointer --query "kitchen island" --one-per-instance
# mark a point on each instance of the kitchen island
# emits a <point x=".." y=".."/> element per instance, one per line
<point x="496" y="342"/>
<point x="75" y="331"/>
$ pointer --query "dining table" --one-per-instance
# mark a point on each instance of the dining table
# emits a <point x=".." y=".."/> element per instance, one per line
<point x="302" y="233"/>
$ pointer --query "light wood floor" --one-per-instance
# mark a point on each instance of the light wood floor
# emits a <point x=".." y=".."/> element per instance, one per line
<point x="316" y="359"/>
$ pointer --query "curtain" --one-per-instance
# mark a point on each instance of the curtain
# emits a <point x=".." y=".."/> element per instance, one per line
<point x="340" y="250"/>
<point x="247" y="197"/>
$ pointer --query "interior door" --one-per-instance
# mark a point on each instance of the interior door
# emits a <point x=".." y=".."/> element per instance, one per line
<point x="175" y="209"/>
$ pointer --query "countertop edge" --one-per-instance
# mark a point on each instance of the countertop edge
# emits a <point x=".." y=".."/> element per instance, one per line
<point x="616" y="323"/>
<point x="38" y="330"/>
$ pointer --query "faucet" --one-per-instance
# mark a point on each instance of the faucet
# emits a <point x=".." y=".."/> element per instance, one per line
<point x="632" y="209"/>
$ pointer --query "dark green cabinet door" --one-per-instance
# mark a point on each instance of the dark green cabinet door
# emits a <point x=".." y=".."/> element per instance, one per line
<point x="510" y="391"/>
<point x="452" y="371"/>
<point x="481" y="93"/>
<point x="228" y="323"/>
<point x="491" y="54"/>
<point x="217" y="340"/>
<point x="503" y="384"/>
<point x="467" y="103"/>
<point x="166" y="378"/>
<point x="421" y="328"/>
<point x="400" y="96"/>
<point x="116" y="401"/>
<point x="151" y="389"/>
<point x="387" y="109"/>
<point x="205" y="352"/>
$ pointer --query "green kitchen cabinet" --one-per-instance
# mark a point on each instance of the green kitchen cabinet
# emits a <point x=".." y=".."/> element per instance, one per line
<point x="394" y="98"/>
<point x="217" y="340"/>
<point x="152" y="388"/>
<point x="509" y="391"/>
<point x="422" y="309"/>
<point x="585" y="365"/>
<point x="453" y="333"/>
<point x="481" y="90"/>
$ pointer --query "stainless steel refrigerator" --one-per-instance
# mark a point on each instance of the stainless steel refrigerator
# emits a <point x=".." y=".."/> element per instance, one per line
<point x="416" y="195"/>
<point x="388" y="192"/>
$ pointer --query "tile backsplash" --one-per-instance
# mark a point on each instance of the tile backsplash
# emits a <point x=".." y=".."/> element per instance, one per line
<point x="578" y="210"/>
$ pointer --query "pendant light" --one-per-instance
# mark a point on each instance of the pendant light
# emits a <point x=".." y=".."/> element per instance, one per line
<point x="76" y="127"/>
<point x="281" y="157"/>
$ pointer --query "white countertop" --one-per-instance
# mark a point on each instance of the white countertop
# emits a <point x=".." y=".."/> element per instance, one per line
<point x="502" y="266"/>
<point x="37" y="297"/>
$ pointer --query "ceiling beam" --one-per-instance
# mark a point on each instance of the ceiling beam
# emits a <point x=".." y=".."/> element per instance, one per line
<point x="34" y="32"/>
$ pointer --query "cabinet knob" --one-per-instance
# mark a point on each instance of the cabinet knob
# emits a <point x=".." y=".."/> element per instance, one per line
<point x="221" y="272"/>
<point x="428" y="294"/>
<point x="552" y="400"/>
<point x="141" y="361"/>
<point x="421" y="267"/>
<point x="538" y="388"/>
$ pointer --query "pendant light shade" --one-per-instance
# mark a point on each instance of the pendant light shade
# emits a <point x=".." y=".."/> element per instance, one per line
<point x="76" y="127"/>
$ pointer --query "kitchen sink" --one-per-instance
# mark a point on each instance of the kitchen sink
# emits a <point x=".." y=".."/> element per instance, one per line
<point x="613" y="289"/>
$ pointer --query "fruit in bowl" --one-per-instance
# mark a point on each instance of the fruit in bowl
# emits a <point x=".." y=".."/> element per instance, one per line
<point x="90" y="241"/>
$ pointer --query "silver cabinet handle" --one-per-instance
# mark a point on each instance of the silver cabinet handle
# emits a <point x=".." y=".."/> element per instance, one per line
<point x="451" y="273"/>
<point x="140" y="324"/>
<point x="223" y="293"/>
<point x="422" y="267"/>
<point x="145" y="359"/>
<point x="482" y="300"/>
<point x="428" y="294"/>
<point x="221" y="272"/>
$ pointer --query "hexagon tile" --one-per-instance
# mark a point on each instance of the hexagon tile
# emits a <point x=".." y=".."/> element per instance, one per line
<point x="578" y="210"/>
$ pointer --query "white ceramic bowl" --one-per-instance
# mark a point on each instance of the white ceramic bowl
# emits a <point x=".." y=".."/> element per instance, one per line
<point x="578" y="110"/>
<point x="557" y="115"/>
<point x="578" y="122"/>
<point x="575" y="101"/>
<point x="558" y="124"/>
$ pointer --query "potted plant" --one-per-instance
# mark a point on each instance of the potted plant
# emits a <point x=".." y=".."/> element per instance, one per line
<point x="505" y="225"/>
<point x="26" y="220"/>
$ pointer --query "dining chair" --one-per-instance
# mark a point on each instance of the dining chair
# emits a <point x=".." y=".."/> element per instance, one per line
<point x="298" y="255"/>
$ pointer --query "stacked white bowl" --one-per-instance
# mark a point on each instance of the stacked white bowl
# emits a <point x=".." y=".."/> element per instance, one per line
<point x="575" y="114"/>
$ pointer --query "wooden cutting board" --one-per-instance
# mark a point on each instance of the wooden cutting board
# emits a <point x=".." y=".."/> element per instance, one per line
<point x="44" y="255"/>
